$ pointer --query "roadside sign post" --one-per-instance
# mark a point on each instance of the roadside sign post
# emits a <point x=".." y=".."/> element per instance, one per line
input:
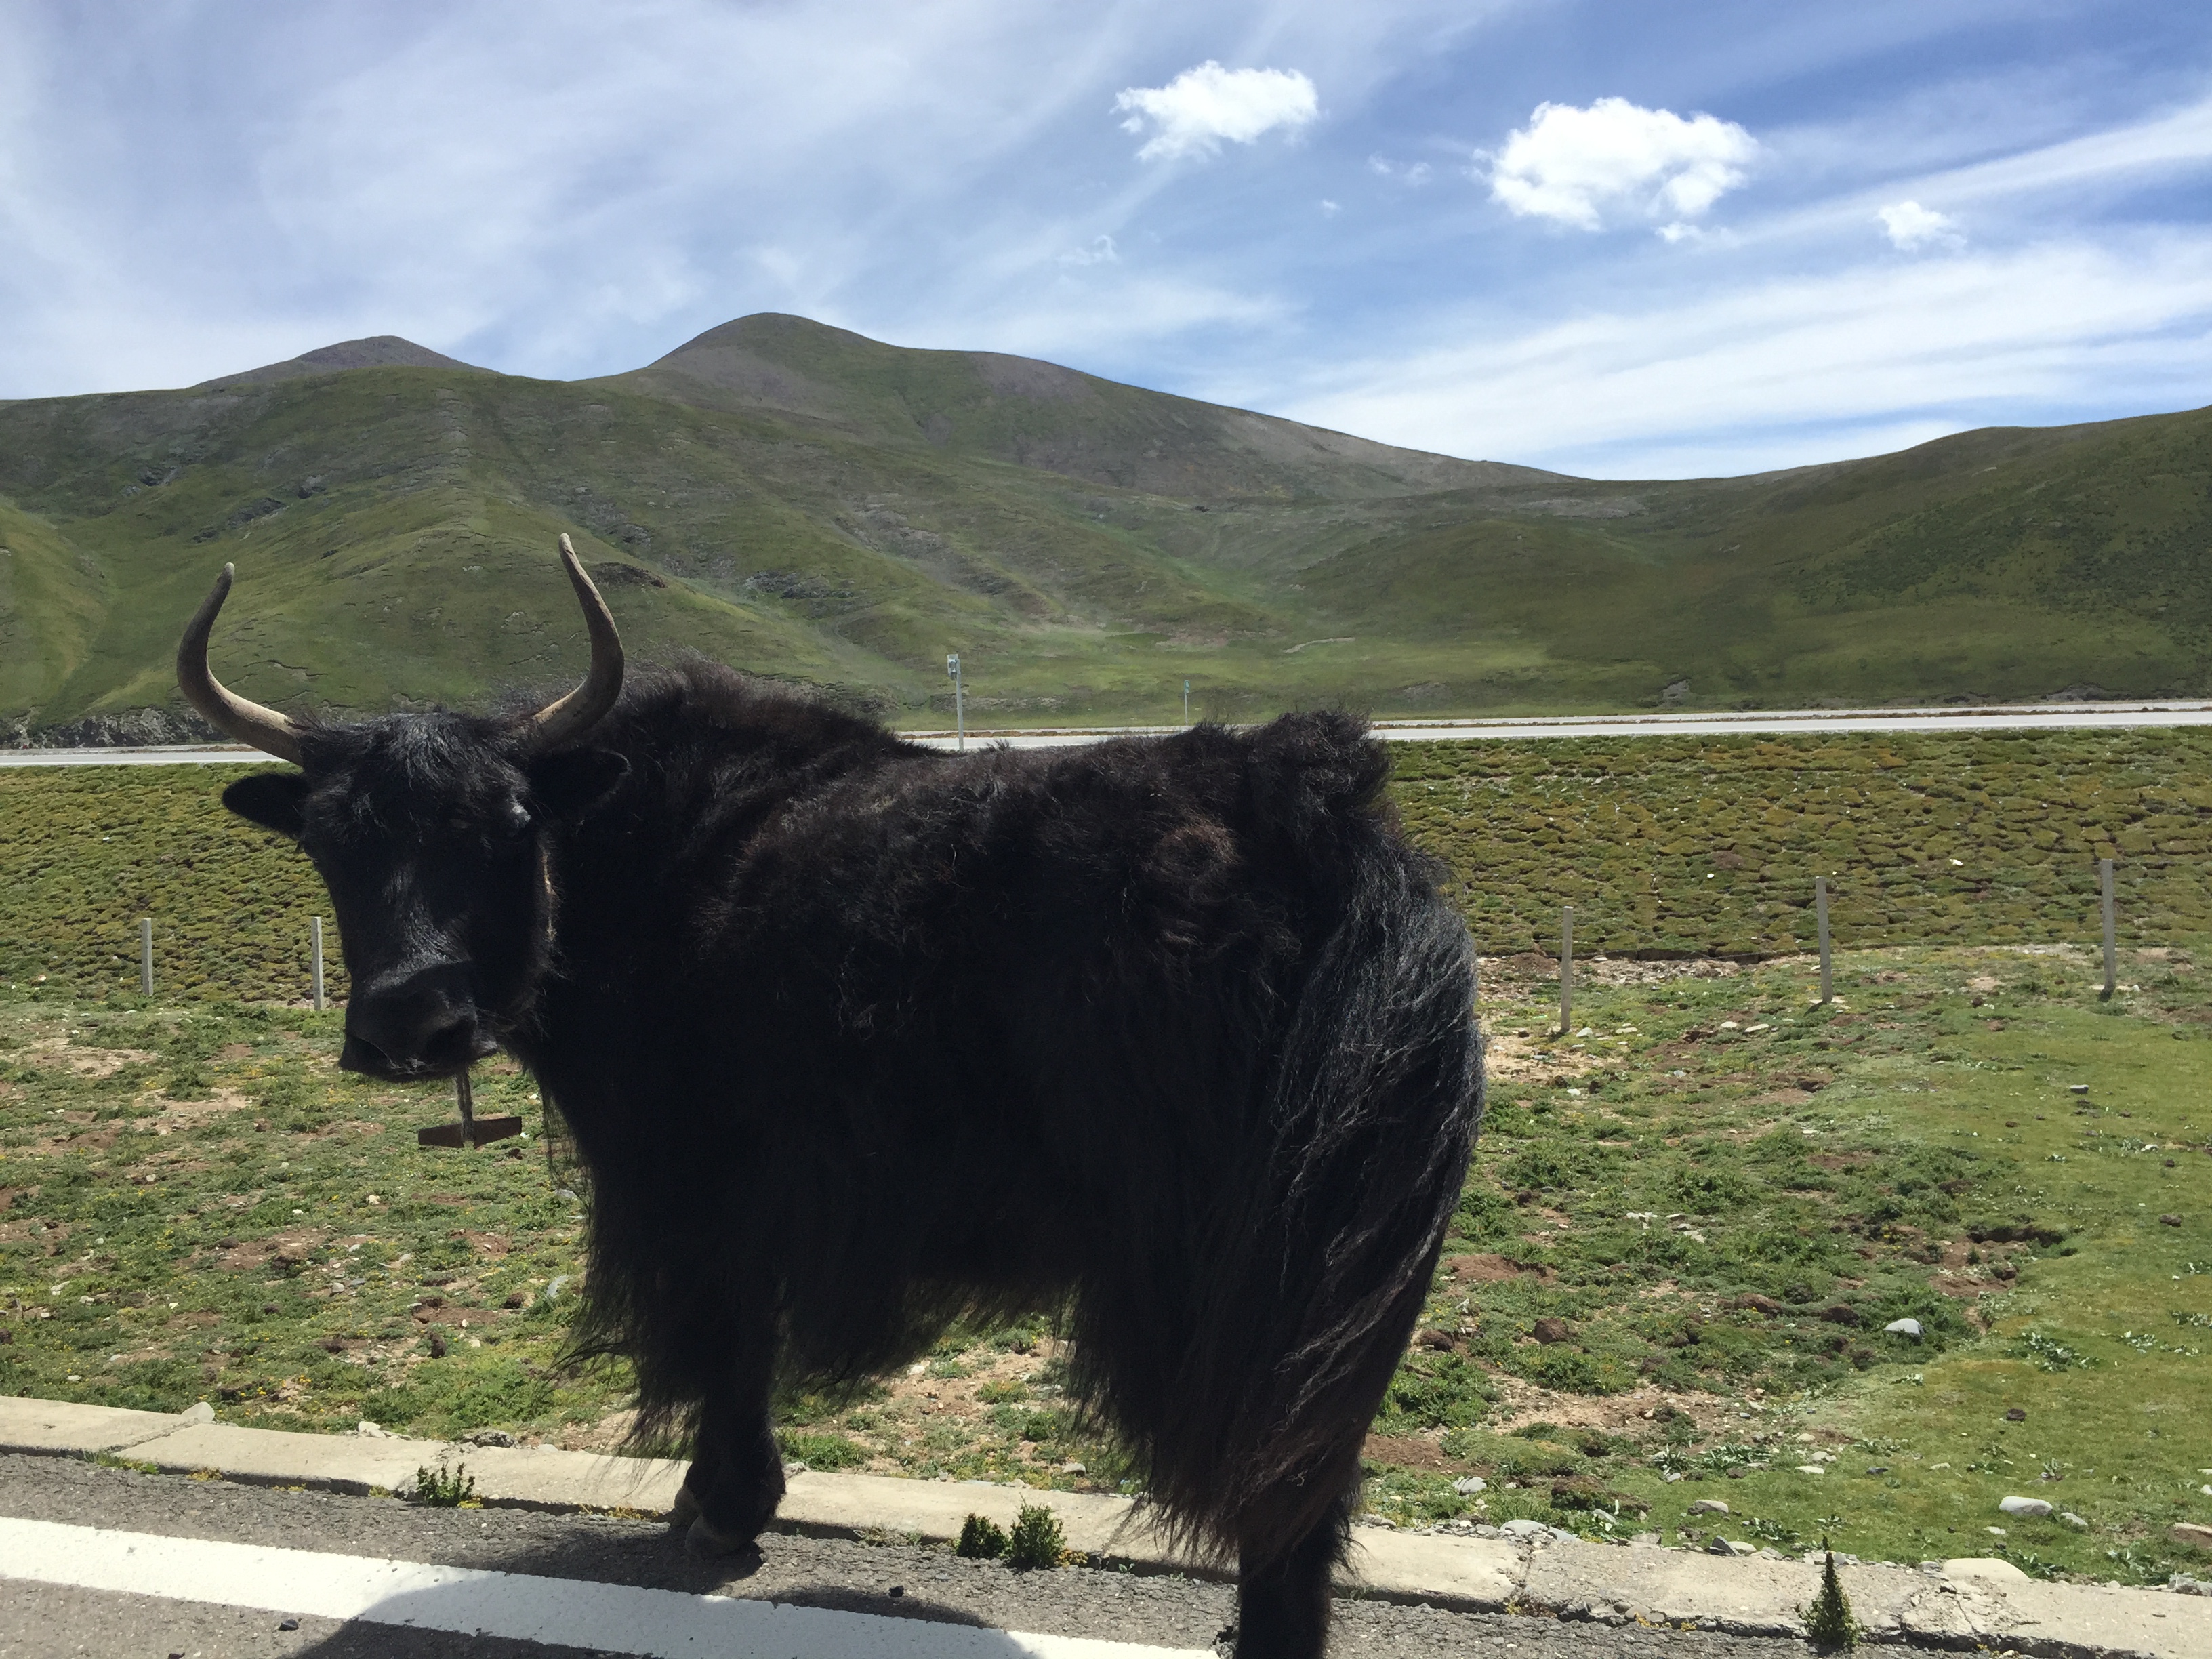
<point x="471" y="1131"/>
<point x="2112" y="960"/>
<point x="959" y="713"/>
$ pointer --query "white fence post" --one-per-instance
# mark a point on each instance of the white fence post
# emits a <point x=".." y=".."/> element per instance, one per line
<point x="146" y="956"/>
<point x="1566" y="968"/>
<point x="1820" y="910"/>
<point x="2105" y="883"/>
<point x="315" y="930"/>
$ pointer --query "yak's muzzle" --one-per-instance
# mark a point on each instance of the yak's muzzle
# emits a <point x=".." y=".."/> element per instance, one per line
<point x="425" y="1026"/>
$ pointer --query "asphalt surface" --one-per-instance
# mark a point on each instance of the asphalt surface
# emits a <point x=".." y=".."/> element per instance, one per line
<point x="894" y="1581"/>
<point x="2016" y="717"/>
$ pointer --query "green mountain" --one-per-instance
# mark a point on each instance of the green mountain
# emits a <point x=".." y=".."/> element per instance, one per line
<point x="808" y="503"/>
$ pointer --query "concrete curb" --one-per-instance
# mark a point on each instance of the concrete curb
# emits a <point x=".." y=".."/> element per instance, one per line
<point x="1968" y="1603"/>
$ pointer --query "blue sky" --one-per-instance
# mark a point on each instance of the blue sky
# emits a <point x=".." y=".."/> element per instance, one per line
<point x="1626" y="240"/>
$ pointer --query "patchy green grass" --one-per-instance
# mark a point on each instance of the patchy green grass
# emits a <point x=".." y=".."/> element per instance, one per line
<point x="1689" y="1221"/>
<point x="1691" y="1218"/>
<point x="197" y="1204"/>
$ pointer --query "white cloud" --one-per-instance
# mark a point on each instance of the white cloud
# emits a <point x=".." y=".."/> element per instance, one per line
<point x="1098" y="251"/>
<point x="1199" y="108"/>
<point x="1912" y="227"/>
<point x="1582" y="167"/>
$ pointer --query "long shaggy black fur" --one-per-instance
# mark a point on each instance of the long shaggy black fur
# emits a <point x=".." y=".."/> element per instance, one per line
<point x="856" y="1037"/>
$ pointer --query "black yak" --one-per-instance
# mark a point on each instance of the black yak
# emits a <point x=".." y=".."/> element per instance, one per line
<point x="1172" y="1036"/>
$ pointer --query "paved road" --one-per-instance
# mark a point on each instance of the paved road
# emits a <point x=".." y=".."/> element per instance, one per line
<point x="1996" y="717"/>
<point x="232" y="1556"/>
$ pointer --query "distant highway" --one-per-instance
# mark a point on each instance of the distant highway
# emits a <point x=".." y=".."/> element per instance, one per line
<point x="1984" y="717"/>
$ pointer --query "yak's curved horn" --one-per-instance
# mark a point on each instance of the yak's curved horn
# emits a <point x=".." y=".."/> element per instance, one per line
<point x="224" y="709"/>
<point x="565" y="722"/>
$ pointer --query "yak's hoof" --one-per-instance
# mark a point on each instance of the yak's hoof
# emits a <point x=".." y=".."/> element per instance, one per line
<point x="706" y="1539"/>
<point x="685" y="1509"/>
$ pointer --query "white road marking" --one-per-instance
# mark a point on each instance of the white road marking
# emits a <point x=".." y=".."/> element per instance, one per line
<point x="564" y="1611"/>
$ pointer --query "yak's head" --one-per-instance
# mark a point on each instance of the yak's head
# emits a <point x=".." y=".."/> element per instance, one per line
<point x="429" y="830"/>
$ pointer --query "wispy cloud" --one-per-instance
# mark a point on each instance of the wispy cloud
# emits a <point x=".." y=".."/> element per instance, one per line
<point x="1405" y="173"/>
<point x="1098" y="251"/>
<point x="1773" y="371"/>
<point x="1193" y="113"/>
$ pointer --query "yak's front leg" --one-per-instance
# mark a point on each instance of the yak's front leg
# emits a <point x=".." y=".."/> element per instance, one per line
<point x="736" y="1478"/>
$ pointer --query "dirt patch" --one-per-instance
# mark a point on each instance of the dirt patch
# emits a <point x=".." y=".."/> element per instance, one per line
<point x="606" y="1435"/>
<point x="1490" y="1269"/>
<point x="183" y="1114"/>
<point x="1510" y="1057"/>
<point x="1405" y="1451"/>
<point x="1626" y="970"/>
<point x="1534" y="965"/>
<point x="86" y="1062"/>
<point x="292" y="1247"/>
<point x="1521" y="1402"/>
<point x="88" y="1140"/>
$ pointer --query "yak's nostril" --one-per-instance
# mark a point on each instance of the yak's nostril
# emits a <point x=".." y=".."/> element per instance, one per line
<point x="452" y="1044"/>
<point x="361" y="1055"/>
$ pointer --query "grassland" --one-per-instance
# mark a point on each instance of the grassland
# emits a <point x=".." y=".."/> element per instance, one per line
<point x="841" y="512"/>
<point x="1723" y="1193"/>
<point x="1711" y="845"/>
<point x="1669" y="1279"/>
<point x="85" y="852"/>
<point x="1707" y="846"/>
<point x="1690" y="1219"/>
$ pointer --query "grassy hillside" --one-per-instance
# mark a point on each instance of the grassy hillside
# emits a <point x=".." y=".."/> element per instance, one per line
<point x="986" y="405"/>
<point x="806" y="502"/>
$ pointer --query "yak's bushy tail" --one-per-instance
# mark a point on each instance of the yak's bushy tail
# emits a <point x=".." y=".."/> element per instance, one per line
<point x="1325" y="1249"/>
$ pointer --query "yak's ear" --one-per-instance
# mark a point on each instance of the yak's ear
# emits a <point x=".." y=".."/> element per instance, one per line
<point x="270" y="799"/>
<point x="575" y="779"/>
